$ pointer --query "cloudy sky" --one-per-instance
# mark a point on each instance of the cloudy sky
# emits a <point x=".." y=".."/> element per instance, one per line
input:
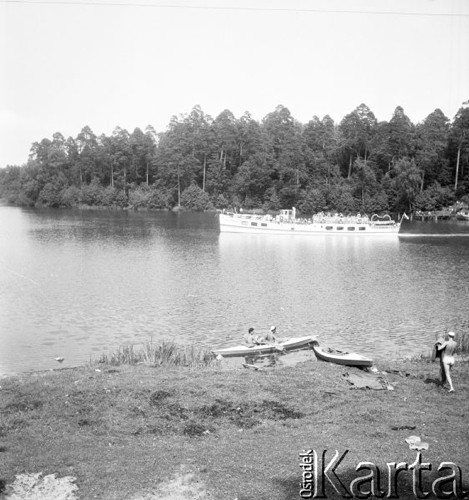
<point x="130" y="63"/>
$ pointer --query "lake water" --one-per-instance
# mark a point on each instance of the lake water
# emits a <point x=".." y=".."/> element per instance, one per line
<point x="80" y="283"/>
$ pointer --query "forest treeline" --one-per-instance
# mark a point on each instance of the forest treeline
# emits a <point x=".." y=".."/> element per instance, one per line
<point x="201" y="163"/>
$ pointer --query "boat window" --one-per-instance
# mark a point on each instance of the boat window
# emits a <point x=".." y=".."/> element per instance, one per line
<point x="339" y="228"/>
<point x="253" y="223"/>
<point x="263" y="224"/>
<point x="329" y="228"/>
<point x="362" y="228"/>
<point x="351" y="228"/>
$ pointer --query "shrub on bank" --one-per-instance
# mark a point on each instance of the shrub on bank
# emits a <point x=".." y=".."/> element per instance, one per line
<point x="91" y="194"/>
<point x="110" y="197"/>
<point x="193" y="198"/>
<point x="71" y="197"/>
<point x="140" y="196"/>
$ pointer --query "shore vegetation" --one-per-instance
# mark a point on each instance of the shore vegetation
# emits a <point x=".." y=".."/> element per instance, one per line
<point x="165" y="353"/>
<point x="202" y="163"/>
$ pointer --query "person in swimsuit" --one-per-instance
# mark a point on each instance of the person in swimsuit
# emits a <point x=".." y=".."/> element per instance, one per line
<point x="447" y="350"/>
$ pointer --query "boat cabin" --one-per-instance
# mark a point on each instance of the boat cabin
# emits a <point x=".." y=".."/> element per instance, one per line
<point x="287" y="215"/>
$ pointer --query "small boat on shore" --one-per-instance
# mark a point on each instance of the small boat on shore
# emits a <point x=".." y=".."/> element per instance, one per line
<point x="280" y="347"/>
<point x="287" y="223"/>
<point x="341" y="357"/>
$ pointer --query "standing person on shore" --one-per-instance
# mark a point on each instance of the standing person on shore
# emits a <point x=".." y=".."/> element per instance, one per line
<point x="447" y="350"/>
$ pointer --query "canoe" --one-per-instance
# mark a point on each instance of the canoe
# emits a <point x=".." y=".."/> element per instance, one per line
<point x="341" y="358"/>
<point x="282" y="346"/>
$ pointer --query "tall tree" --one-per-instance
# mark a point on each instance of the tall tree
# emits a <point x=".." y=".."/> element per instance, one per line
<point x="121" y="158"/>
<point x="225" y="130"/>
<point x="151" y="144"/>
<point x="400" y="143"/>
<point x="176" y="159"/>
<point x="320" y="135"/>
<point x="357" y="131"/>
<point x="87" y="145"/>
<point x="143" y="150"/>
<point x="365" y="179"/>
<point x="432" y="141"/>
<point x="408" y="179"/>
<point x="460" y="135"/>
<point x="252" y="181"/>
<point x="197" y="129"/>
<point x="320" y="140"/>
<point x="286" y="140"/>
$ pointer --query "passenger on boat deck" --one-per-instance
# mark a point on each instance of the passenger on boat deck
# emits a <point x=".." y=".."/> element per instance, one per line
<point x="447" y="349"/>
<point x="252" y="339"/>
<point x="270" y="337"/>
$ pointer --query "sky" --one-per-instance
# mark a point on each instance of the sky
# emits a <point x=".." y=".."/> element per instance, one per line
<point x="132" y="63"/>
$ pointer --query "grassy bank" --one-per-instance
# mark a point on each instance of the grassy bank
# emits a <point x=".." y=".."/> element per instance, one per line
<point x="123" y="431"/>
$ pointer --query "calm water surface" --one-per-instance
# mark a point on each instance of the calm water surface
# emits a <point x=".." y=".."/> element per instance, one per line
<point x="80" y="283"/>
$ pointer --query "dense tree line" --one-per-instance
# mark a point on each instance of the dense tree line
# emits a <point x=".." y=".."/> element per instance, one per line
<point x="357" y="165"/>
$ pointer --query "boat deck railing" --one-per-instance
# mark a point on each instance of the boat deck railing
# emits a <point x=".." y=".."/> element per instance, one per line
<point x="340" y="219"/>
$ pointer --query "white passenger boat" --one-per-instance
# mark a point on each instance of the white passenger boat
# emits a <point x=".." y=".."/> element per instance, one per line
<point x="287" y="223"/>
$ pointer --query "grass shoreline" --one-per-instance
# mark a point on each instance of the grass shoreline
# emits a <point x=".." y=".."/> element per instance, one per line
<point x="124" y="430"/>
<point x="170" y="354"/>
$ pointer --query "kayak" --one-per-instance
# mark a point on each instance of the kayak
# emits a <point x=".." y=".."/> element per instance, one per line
<point x="282" y="346"/>
<point x="341" y="358"/>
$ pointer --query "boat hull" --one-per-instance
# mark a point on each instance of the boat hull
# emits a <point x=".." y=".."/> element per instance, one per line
<point x="237" y="223"/>
<point x="342" y="358"/>
<point x="285" y="346"/>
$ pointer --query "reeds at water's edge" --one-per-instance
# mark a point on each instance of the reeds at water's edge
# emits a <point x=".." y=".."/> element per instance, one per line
<point x="463" y="343"/>
<point x="462" y="349"/>
<point x="163" y="354"/>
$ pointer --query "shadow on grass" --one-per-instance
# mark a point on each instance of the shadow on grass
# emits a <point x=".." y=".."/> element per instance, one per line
<point x="432" y="381"/>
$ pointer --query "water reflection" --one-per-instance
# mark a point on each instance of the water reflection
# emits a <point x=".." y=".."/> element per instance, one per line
<point x="444" y="228"/>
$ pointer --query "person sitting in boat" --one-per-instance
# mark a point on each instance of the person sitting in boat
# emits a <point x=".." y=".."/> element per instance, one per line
<point x="270" y="337"/>
<point x="251" y="339"/>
